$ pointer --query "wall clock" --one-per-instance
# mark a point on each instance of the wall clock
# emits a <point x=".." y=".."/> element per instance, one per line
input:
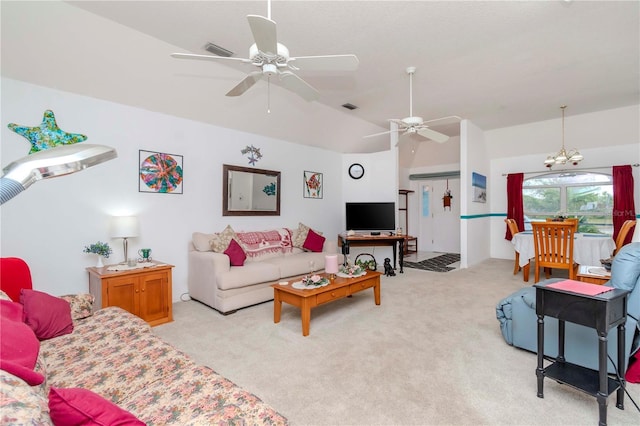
<point x="356" y="171"/>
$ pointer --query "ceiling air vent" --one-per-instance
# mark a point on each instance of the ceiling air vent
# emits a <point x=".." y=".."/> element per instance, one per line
<point x="350" y="106"/>
<point x="217" y="50"/>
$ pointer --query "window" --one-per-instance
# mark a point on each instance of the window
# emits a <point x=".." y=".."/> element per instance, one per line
<point x="587" y="196"/>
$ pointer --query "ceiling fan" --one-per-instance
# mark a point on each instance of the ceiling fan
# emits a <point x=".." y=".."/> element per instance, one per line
<point x="415" y="125"/>
<point x="273" y="60"/>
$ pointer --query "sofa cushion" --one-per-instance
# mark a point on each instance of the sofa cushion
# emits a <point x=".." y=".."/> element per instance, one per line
<point x="314" y="242"/>
<point x="201" y="241"/>
<point x="299" y="235"/>
<point x="262" y="245"/>
<point x="235" y="253"/>
<point x="79" y="406"/>
<point x="298" y="264"/>
<point x="197" y="395"/>
<point x="18" y="345"/>
<point x="21" y="403"/>
<point x="81" y="305"/>
<point x="220" y="242"/>
<point x="48" y="316"/>
<point x="625" y="274"/>
<point x="251" y="273"/>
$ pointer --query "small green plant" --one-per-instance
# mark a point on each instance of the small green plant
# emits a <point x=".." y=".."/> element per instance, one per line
<point x="100" y="248"/>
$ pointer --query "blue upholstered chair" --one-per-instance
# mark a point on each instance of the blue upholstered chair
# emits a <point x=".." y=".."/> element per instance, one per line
<point x="518" y="321"/>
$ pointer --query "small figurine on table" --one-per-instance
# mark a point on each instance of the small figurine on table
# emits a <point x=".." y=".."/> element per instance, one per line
<point x="388" y="269"/>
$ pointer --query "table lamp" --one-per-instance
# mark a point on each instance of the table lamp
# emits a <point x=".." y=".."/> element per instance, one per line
<point x="331" y="265"/>
<point x="124" y="227"/>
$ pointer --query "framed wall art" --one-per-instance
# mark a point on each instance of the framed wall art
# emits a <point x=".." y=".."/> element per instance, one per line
<point x="479" y="184"/>
<point x="312" y="185"/>
<point x="160" y="172"/>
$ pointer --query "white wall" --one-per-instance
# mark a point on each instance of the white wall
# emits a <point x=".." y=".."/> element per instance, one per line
<point x="475" y="226"/>
<point x="605" y="138"/>
<point x="378" y="184"/>
<point x="50" y="223"/>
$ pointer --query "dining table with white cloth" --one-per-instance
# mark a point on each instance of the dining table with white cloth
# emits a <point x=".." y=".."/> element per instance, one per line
<point x="588" y="249"/>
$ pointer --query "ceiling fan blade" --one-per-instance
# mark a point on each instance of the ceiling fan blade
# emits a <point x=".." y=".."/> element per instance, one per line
<point x="207" y="57"/>
<point x="264" y="34"/>
<point x="326" y="63"/>
<point x="379" y="134"/>
<point x="245" y="84"/>
<point x="299" y="86"/>
<point x="425" y="132"/>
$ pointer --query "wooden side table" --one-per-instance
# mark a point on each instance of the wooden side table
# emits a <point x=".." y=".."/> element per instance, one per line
<point x="601" y="312"/>
<point x="145" y="292"/>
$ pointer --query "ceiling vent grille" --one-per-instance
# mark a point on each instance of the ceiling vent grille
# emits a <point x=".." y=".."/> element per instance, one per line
<point x="217" y="50"/>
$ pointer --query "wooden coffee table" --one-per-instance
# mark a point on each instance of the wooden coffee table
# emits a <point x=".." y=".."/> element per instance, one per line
<point x="307" y="299"/>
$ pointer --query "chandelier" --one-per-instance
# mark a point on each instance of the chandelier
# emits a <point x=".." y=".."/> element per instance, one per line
<point x="564" y="157"/>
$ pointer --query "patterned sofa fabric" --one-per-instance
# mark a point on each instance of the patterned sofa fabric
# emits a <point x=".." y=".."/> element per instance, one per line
<point x="116" y="355"/>
<point x="21" y="404"/>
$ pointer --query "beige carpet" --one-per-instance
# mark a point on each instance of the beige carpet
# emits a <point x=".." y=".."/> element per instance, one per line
<point x="430" y="354"/>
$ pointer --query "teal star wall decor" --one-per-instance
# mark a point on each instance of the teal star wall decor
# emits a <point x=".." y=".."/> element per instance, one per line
<point x="47" y="135"/>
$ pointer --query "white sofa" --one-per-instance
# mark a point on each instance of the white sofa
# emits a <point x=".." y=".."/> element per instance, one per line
<point x="213" y="281"/>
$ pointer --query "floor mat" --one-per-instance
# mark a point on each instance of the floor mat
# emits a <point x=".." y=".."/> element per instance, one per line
<point x="435" y="264"/>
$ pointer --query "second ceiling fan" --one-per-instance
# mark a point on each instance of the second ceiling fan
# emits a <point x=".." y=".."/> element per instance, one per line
<point x="413" y="124"/>
<point x="273" y="60"/>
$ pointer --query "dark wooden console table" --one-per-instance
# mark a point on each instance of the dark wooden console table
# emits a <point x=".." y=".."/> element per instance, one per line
<point x="601" y="312"/>
<point x="346" y="241"/>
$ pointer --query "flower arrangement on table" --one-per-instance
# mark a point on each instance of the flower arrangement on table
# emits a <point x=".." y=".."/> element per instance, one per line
<point x="351" y="270"/>
<point x="314" y="280"/>
<point x="99" y="248"/>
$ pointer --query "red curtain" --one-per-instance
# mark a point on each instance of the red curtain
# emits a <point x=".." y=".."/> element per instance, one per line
<point x="623" y="204"/>
<point x="515" y="208"/>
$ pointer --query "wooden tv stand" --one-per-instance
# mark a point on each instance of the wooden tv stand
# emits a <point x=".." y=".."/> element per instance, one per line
<point x="345" y="241"/>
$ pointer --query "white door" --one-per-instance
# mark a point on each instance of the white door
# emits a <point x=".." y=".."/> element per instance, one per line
<point x="439" y="226"/>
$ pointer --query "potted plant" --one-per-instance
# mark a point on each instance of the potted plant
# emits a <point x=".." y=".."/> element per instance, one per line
<point x="101" y="249"/>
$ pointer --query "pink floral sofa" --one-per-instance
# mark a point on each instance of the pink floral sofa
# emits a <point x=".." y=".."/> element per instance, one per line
<point x="112" y="369"/>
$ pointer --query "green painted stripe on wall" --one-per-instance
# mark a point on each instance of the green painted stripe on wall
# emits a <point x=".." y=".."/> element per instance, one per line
<point x="478" y="216"/>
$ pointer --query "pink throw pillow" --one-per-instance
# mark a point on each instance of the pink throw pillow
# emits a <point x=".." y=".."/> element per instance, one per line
<point x="48" y="316"/>
<point x="314" y="242"/>
<point x="77" y="406"/>
<point x="18" y="345"/>
<point x="236" y="255"/>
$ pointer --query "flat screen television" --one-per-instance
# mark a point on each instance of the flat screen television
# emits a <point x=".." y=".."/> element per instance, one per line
<point x="371" y="216"/>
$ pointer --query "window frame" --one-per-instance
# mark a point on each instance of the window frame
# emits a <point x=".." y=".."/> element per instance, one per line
<point x="564" y="194"/>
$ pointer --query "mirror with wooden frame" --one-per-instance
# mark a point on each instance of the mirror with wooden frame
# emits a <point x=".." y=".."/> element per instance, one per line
<point x="250" y="192"/>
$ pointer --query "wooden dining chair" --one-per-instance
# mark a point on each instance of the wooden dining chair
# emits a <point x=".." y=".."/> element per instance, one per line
<point x="574" y="220"/>
<point x="513" y="228"/>
<point x="553" y="246"/>
<point x="627" y="226"/>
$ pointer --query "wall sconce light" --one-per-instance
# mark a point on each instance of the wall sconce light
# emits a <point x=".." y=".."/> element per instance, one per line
<point x="124" y="227"/>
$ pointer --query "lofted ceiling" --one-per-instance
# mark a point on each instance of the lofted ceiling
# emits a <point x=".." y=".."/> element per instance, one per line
<point x="497" y="64"/>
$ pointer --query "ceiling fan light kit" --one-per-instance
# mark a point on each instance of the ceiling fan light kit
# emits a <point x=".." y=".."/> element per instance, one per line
<point x="272" y="58"/>
<point x="563" y="157"/>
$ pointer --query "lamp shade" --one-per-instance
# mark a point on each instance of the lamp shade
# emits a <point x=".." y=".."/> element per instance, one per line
<point x="58" y="161"/>
<point x="124" y="226"/>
